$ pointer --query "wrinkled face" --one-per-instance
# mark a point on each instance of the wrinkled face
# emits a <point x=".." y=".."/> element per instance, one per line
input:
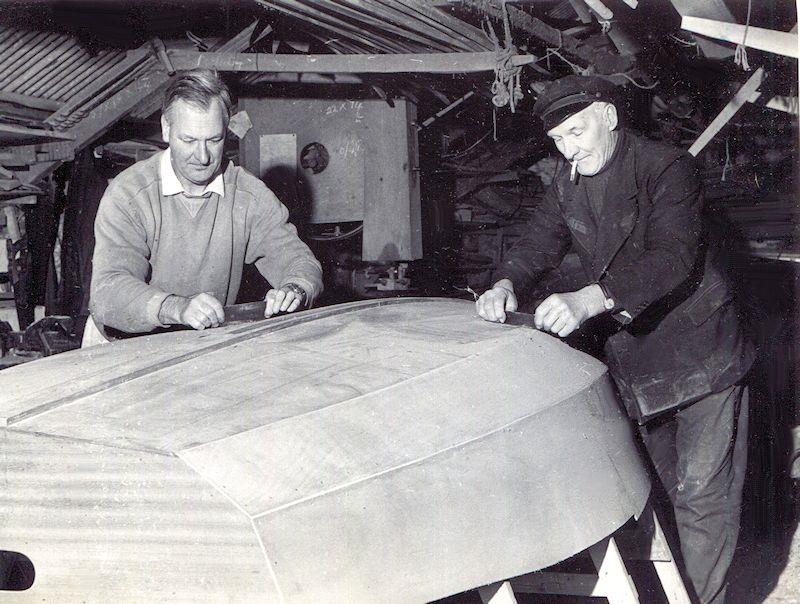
<point x="587" y="138"/>
<point x="196" y="137"/>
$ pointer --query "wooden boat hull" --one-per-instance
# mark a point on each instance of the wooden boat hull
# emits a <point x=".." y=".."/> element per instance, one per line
<point x="393" y="451"/>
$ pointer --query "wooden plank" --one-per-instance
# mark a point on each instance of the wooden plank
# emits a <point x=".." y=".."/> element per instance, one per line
<point x="746" y="93"/>
<point x="611" y="572"/>
<point x="49" y="86"/>
<point x="580" y="8"/>
<point x="472" y="37"/>
<point x="33" y="102"/>
<point x="361" y="13"/>
<point x="392" y="210"/>
<point x="497" y="593"/>
<point x="26" y="200"/>
<point x="11" y="222"/>
<point x="453" y="62"/>
<point x="770" y="40"/>
<point x="667" y="570"/>
<point x="398" y="14"/>
<point x="104" y="116"/>
<point x="11" y="56"/>
<point x="238" y="43"/>
<point x="88" y="73"/>
<point x="552" y="36"/>
<point x="309" y="78"/>
<point x="47" y="57"/>
<point x="15" y="58"/>
<point x="21" y="155"/>
<point x="322" y="20"/>
<point x="56" y="59"/>
<point x="35" y="132"/>
<point x="784" y="103"/>
<point x="132" y="60"/>
<point x="601" y="9"/>
<point x="564" y="584"/>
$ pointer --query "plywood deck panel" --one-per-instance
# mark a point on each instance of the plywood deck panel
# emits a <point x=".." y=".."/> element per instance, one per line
<point x="377" y="451"/>
<point x="107" y="525"/>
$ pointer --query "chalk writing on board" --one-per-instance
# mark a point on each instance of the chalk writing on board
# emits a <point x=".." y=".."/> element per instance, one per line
<point x="354" y="107"/>
<point x="351" y="147"/>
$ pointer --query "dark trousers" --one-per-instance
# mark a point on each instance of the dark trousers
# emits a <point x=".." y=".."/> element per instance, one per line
<point x="700" y="454"/>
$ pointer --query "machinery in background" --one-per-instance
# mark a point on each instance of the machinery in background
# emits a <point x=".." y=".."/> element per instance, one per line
<point x="337" y="161"/>
<point x="46" y="337"/>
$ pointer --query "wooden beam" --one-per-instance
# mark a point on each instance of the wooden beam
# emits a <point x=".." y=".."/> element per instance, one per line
<point x="581" y="10"/>
<point x="439" y="18"/>
<point x="25" y="200"/>
<point x="118" y="106"/>
<point x="24" y="132"/>
<point x="118" y="72"/>
<point x="452" y="62"/>
<point x="309" y="78"/>
<point x="748" y="92"/>
<point x="539" y="29"/>
<point x="777" y="42"/>
<point x="241" y="41"/>
<point x="22" y="155"/>
<point x="101" y="118"/>
<point x="601" y="9"/>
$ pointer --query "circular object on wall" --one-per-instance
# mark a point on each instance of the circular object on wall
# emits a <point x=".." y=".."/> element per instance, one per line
<point x="314" y="157"/>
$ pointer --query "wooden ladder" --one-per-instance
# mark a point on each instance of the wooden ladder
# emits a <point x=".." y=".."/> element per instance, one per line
<point x="646" y="541"/>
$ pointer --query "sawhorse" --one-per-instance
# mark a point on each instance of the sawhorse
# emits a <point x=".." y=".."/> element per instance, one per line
<point x="646" y="541"/>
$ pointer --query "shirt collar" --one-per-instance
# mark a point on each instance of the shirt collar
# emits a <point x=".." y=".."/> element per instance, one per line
<point x="170" y="185"/>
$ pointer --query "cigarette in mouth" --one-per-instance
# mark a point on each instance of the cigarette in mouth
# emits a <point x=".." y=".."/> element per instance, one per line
<point x="574" y="171"/>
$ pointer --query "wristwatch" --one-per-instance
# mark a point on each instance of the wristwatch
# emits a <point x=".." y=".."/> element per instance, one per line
<point x="608" y="301"/>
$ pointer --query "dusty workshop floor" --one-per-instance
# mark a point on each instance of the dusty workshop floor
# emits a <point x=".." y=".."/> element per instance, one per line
<point x="767" y="566"/>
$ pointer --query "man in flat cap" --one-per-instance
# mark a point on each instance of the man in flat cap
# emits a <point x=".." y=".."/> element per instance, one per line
<point x="632" y="210"/>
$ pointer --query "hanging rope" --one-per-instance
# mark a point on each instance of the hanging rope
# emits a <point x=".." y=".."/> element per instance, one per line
<point x="727" y="165"/>
<point x="577" y="69"/>
<point x="506" y="88"/>
<point x="740" y="56"/>
<point x="634" y="82"/>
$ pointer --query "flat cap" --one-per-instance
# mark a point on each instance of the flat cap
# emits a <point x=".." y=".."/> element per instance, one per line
<point x="569" y="95"/>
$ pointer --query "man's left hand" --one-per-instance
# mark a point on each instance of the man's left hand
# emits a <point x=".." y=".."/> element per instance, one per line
<point x="288" y="298"/>
<point x="562" y="314"/>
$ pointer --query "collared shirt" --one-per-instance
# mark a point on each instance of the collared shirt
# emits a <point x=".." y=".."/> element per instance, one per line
<point x="170" y="185"/>
<point x="147" y="247"/>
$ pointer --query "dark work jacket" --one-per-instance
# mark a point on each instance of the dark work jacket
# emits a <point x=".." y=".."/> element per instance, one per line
<point x="681" y="339"/>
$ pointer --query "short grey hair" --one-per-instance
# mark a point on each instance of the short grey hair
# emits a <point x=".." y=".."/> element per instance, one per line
<point x="198" y="87"/>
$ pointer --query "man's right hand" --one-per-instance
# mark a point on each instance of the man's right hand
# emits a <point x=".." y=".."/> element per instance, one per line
<point x="494" y="303"/>
<point x="201" y="311"/>
<point x="198" y="312"/>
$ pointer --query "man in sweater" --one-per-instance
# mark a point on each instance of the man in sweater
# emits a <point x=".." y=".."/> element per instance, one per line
<point x="174" y="231"/>
<point x="631" y="209"/>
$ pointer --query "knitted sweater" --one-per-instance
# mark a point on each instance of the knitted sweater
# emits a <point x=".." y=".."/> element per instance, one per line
<point x="149" y="246"/>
